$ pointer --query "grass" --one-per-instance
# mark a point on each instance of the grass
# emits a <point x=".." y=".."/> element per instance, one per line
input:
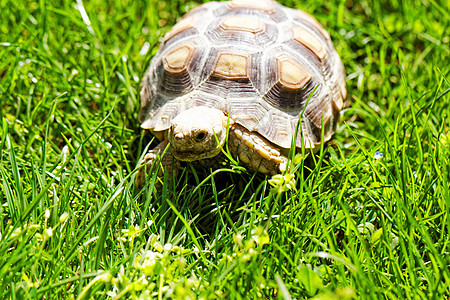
<point x="357" y="226"/>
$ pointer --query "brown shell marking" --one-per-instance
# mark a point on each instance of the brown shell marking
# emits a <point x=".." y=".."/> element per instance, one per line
<point x="231" y="66"/>
<point x="291" y="74"/>
<point x="175" y="78"/>
<point x="292" y="83"/>
<point x="305" y="38"/>
<point x="239" y="23"/>
<point x="177" y="60"/>
<point x="338" y="98"/>
<point x="182" y="25"/>
<point x="242" y="31"/>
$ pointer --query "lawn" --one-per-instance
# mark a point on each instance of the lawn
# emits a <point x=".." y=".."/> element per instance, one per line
<point x="368" y="217"/>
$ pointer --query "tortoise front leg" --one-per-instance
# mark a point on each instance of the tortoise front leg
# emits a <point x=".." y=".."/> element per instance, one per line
<point x="255" y="151"/>
<point x="166" y="165"/>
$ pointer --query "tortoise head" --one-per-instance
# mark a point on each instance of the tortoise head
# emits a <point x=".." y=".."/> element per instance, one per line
<point x="197" y="133"/>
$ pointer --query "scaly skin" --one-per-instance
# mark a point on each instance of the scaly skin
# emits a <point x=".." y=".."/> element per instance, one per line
<point x="194" y="135"/>
<point x="168" y="165"/>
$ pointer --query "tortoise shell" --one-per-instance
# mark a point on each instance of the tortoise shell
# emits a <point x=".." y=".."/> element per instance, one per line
<point x="257" y="61"/>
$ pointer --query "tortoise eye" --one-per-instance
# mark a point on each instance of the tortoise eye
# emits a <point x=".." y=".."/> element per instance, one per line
<point x="200" y="136"/>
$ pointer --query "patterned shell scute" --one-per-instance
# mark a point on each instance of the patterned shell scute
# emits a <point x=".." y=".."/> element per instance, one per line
<point x="256" y="60"/>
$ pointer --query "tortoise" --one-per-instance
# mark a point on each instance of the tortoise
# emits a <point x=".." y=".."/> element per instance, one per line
<point x="242" y="72"/>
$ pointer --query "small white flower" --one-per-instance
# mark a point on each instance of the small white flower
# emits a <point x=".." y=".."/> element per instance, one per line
<point x="63" y="217"/>
<point x="168" y="247"/>
<point x="48" y="233"/>
<point x="378" y="155"/>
